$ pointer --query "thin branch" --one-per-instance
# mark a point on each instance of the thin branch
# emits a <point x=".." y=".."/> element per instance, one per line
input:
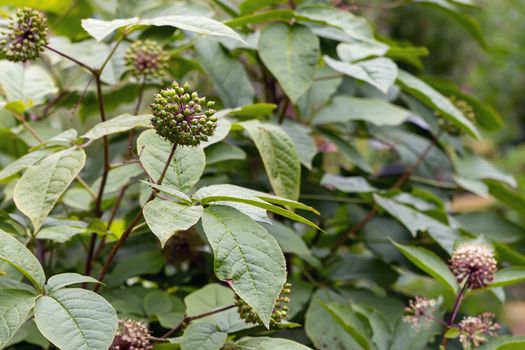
<point x="188" y="319"/>
<point x="81" y="64"/>
<point x="135" y="112"/>
<point x="400" y="182"/>
<point x="132" y="225"/>
<point x="283" y="110"/>
<point x="455" y="309"/>
<point x="111" y="218"/>
<point x="167" y="165"/>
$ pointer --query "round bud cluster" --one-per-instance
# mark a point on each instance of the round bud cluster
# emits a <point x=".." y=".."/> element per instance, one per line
<point x="131" y="335"/>
<point x="474" y="263"/>
<point x="279" y="313"/>
<point x="420" y="312"/>
<point x="474" y="331"/>
<point x="26" y="35"/>
<point x="182" y="117"/>
<point x="146" y="60"/>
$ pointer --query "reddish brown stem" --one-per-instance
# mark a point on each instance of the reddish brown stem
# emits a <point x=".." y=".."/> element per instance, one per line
<point x="188" y="319"/>
<point x="132" y="225"/>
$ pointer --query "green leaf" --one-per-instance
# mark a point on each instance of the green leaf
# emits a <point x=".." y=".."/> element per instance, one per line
<point x="157" y="302"/>
<point x="346" y="318"/>
<point x="171" y="191"/>
<point x="356" y="28"/>
<point x="261" y="204"/>
<point x="66" y="279"/>
<point x="324" y="331"/>
<point x="222" y="152"/>
<point x="508" y="276"/>
<point x="407" y="337"/>
<point x="214" y="296"/>
<point x="99" y="29"/>
<point x="304" y="142"/>
<point x="166" y="218"/>
<point x="254" y="18"/>
<point x="39" y="189"/>
<point x="434" y="99"/>
<point x="247" y="257"/>
<point x="24" y="162"/>
<point x="146" y="262"/>
<point x="290" y="53"/>
<point x="250" y="6"/>
<point x="430" y="263"/>
<point x="351" y="184"/>
<point x="18" y="256"/>
<point x="228" y="74"/>
<point x="343" y="109"/>
<point x="242" y="192"/>
<point x="15" y="307"/>
<point x="66" y="317"/>
<point x="288" y="239"/>
<point x="468" y="22"/>
<point x="118" y="124"/>
<point x="506" y="342"/>
<point x="185" y="169"/>
<point x="359" y="50"/>
<point x="30" y="84"/>
<point x="253" y="110"/>
<point x="416" y="221"/>
<point x="452" y="333"/>
<point x="279" y="156"/>
<point x="379" y="72"/>
<point x="205" y="336"/>
<point x="57" y="6"/>
<point x="265" y="343"/>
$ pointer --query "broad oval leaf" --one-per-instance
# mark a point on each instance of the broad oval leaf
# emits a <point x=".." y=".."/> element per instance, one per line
<point x="373" y="110"/>
<point x="379" y="72"/>
<point x="434" y="99"/>
<point x="29" y="84"/>
<point x="66" y="279"/>
<point x="121" y="123"/>
<point x="429" y="262"/>
<point x="17" y="255"/>
<point x="39" y="189"/>
<point x="265" y="343"/>
<point x="347" y="318"/>
<point x="279" y="156"/>
<point x="99" y="29"/>
<point x="24" y="162"/>
<point x="76" y="319"/>
<point x="166" y="218"/>
<point x="15" y="307"/>
<point x="235" y="87"/>
<point x="246" y="256"/>
<point x="203" y="336"/>
<point x="508" y="276"/>
<point x="290" y="53"/>
<point x="186" y="167"/>
<point x="214" y="296"/>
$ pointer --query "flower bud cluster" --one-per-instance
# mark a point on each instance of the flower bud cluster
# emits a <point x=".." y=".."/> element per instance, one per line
<point x="280" y="309"/>
<point x="131" y="335"/>
<point x="474" y="263"/>
<point x="146" y="60"/>
<point x="182" y="117"/>
<point x="420" y="312"/>
<point x="26" y="36"/>
<point x="473" y="331"/>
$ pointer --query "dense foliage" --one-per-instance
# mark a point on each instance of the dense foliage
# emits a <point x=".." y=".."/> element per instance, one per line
<point x="256" y="174"/>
